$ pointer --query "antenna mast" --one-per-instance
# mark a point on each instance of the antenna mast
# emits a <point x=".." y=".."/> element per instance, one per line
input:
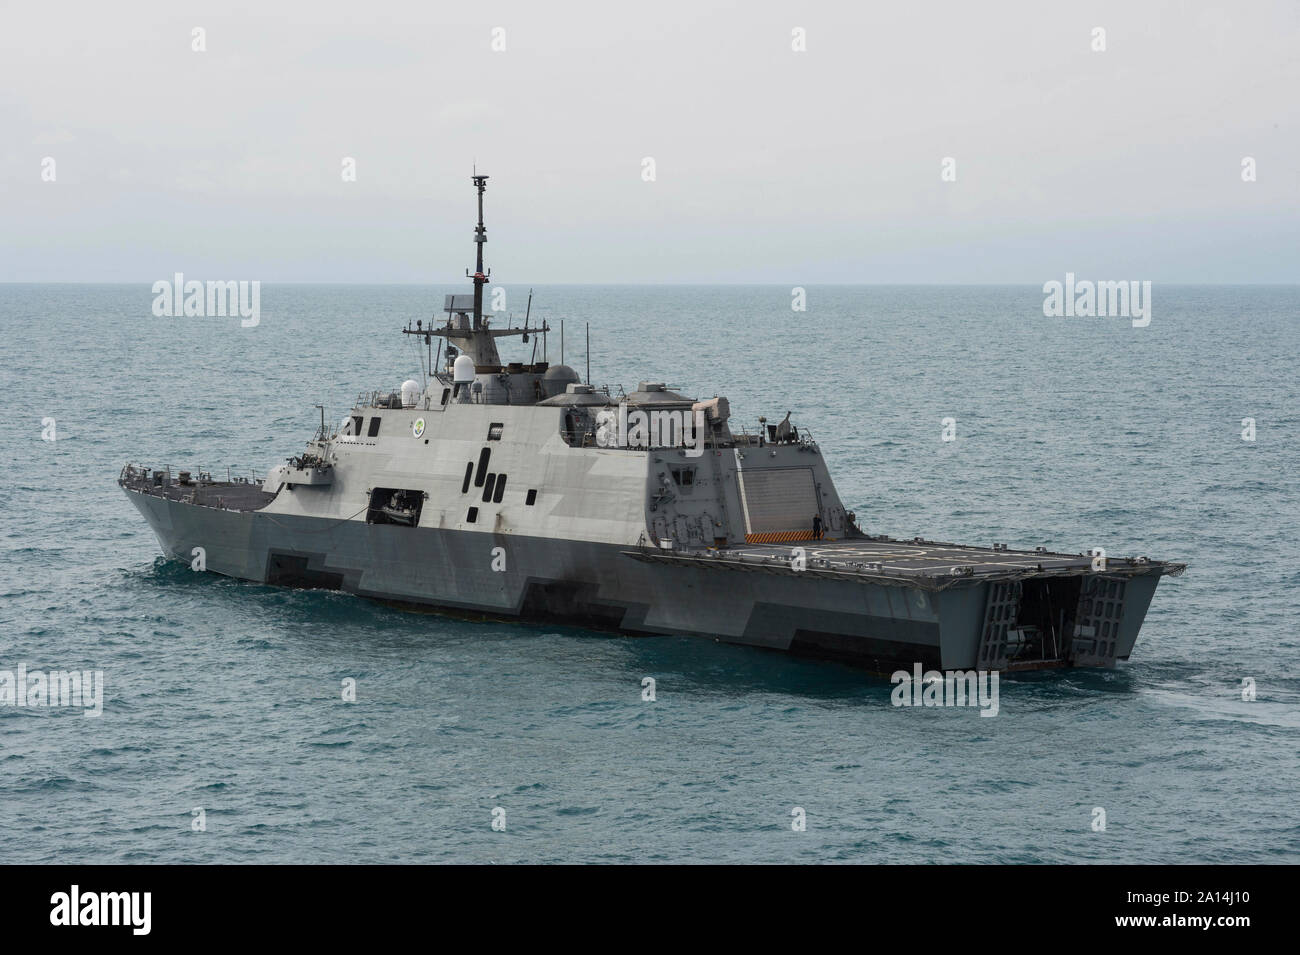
<point x="480" y="236"/>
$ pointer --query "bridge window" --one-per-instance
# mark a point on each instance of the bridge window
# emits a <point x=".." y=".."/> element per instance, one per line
<point x="374" y="427"/>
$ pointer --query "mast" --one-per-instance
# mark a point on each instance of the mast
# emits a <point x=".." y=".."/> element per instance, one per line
<point x="480" y="237"/>
<point x="472" y="336"/>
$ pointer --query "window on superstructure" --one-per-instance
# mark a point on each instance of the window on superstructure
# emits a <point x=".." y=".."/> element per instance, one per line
<point x="494" y="431"/>
<point x="374" y="427"/>
<point x="532" y="497"/>
<point x="472" y="516"/>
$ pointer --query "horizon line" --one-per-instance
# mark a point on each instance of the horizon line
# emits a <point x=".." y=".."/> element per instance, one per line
<point x="150" y="282"/>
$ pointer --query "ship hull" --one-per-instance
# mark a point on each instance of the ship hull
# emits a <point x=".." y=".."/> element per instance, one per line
<point x="612" y="587"/>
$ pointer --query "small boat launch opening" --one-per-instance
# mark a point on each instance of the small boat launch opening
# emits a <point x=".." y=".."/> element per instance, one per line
<point x="1045" y="621"/>
<point x="395" y="505"/>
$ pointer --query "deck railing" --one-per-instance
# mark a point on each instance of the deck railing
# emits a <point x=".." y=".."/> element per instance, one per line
<point x="234" y="474"/>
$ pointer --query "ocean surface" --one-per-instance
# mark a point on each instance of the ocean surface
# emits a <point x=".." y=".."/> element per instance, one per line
<point x="1071" y="433"/>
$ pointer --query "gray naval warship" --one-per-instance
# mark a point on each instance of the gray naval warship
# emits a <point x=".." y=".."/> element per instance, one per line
<point x="516" y="490"/>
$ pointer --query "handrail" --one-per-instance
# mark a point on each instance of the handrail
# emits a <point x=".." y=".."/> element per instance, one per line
<point x="233" y="475"/>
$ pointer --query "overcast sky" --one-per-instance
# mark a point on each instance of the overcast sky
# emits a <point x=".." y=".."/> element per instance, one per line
<point x="771" y="165"/>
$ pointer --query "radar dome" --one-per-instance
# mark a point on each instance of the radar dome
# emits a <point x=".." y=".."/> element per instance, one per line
<point x="463" y="370"/>
<point x="410" y="392"/>
<point x="557" y="380"/>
